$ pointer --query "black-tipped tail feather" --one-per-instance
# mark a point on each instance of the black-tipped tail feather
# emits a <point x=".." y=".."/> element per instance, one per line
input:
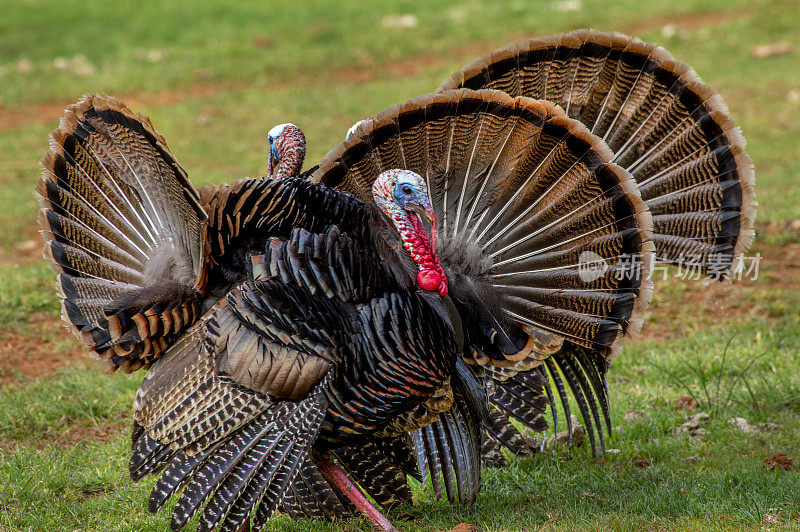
<point x="124" y="231"/>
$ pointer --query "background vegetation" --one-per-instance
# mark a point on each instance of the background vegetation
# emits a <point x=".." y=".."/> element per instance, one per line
<point x="214" y="78"/>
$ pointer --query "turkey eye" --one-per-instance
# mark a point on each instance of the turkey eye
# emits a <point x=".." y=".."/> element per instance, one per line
<point x="406" y="189"/>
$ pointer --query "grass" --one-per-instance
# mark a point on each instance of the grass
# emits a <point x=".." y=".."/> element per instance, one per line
<point x="214" y="83"/>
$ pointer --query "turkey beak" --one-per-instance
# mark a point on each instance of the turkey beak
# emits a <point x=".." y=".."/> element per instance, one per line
<point x="271" y="163"/>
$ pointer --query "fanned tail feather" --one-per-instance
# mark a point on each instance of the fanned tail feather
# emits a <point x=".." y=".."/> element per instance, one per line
<point x="670" y="131"/>
<point x="124" y="232"/>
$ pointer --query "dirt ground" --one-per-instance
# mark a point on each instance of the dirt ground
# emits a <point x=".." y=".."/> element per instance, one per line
<point x="24" y="357"/>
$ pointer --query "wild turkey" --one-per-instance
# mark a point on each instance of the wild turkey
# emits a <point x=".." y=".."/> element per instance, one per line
<point x="299" y="320"/>
<point x="676" y="138"/>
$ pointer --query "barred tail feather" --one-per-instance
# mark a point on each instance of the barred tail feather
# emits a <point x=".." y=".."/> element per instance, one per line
<point x="380" y="466"/>
<point x="124" y="232"/>
<point x="669" y="130"/>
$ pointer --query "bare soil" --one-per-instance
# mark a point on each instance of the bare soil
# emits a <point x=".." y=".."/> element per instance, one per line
<point x="40" y="354"/>
<point x="705" y="302"/>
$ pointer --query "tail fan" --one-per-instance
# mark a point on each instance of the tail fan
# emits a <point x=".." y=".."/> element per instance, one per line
<point x="670" y="131"/>
<point x="124" y="232"/>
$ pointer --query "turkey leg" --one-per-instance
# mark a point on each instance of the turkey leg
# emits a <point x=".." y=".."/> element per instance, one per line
<point x="340" y="480"/>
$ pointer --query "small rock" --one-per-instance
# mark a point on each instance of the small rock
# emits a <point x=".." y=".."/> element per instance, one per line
<point x="567" y="6"/>
<point x="563" y="437"/>
<point x="641" y="462"/>
<point x="24" y="65"/>
<point x="691" y="459"/>
<point x="532" y="443"/>
<point x="669" y="30"/>
<point x="399" y="21"/>
<point x="692" y="425"/>
<point x="741" y="424"/>
<point x="768" y="50"/>
<point x="27" y="245"/>
<point x="612" y="451"/>
<point x="685" y="402"/>
<point x="60" y="63"/>
<point x="634" y="415"/>
<point x="81" y="66"/>
<point x="779" y="461"/>
<point x="156" y="56"/>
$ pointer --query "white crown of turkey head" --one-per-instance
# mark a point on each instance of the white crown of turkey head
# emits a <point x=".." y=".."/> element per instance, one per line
<point x="287" y="151"/>
<point x="402" y="195"/>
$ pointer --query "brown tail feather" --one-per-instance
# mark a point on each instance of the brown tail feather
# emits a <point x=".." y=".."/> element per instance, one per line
<point x="671" y="132"/>
<point x="124" y="231"/>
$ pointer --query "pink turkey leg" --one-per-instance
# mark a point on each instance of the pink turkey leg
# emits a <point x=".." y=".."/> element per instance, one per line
<point x="340" y="480"/>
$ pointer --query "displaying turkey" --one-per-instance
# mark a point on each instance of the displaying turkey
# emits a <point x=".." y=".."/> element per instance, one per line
<point x="284" y="322"/>
<point x="676" y="138"/>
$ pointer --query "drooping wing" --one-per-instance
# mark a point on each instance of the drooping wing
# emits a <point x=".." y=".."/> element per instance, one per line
<point x="230" y="411"/>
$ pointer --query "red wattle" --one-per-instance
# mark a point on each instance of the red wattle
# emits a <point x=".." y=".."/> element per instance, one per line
<point x="429" y="279"/>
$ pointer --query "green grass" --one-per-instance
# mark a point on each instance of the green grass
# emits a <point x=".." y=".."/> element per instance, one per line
<point x="227" y="73"/>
